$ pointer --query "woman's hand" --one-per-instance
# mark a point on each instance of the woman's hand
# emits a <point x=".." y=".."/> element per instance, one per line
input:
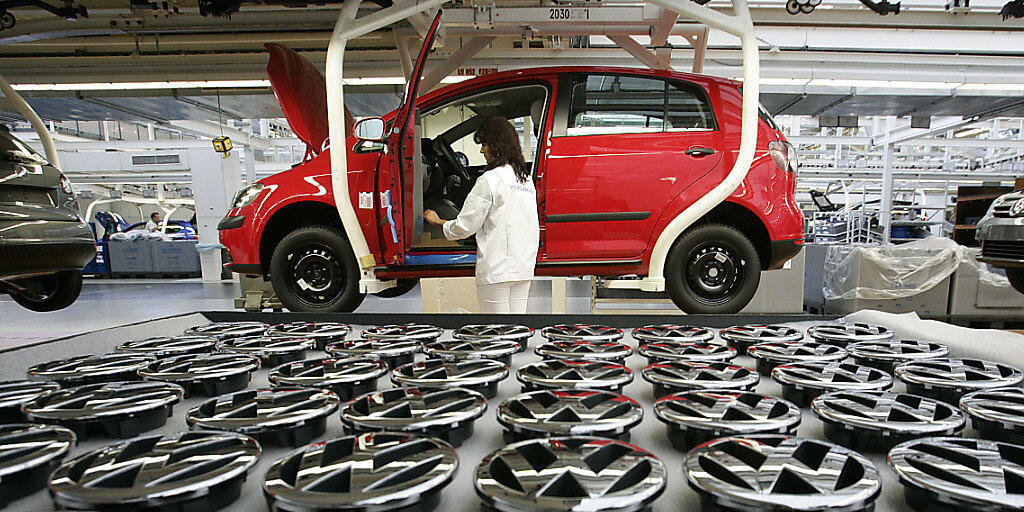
<point x="431" y="217"/>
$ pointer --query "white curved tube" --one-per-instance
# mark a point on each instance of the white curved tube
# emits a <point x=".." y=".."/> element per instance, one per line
<point x="89" y="209"/>
<point x="336" y="133"/>
<point x="26" y="111"/>
<point x="740" y="25"/>
<point x="344" y="30"/>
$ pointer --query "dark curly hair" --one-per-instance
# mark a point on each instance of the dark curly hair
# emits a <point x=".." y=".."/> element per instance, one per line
<point x="503" y="141"/>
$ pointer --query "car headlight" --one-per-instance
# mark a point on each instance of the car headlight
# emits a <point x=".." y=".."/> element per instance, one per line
<point x="1017" y="209"/>
<point x="247" y="195"/>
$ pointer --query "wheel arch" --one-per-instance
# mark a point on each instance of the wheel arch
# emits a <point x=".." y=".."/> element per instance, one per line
<point x="746" y="221"/>
<point x="291" y="217"/>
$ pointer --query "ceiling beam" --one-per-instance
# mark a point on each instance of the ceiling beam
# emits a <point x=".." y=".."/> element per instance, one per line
<point x="661" y="30"/>
<point x="446" y="67"/>
<point x="402" y="43"/>
<point x="124" y="110"/>
<point x="645" y="56"/>
<point x="209" y="108"/>
<point x="835" y="103"/>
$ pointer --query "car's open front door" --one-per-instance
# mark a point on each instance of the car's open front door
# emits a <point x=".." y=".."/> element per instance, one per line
<point x="405" y="197"/>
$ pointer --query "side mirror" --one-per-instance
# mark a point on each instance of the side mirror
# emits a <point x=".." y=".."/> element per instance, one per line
<point x="370" y="129"/>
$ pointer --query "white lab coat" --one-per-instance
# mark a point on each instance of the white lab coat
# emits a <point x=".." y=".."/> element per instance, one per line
<point x="502" y="212"/>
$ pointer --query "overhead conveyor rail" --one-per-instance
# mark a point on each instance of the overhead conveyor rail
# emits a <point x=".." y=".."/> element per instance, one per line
<point x="349" y="27"/>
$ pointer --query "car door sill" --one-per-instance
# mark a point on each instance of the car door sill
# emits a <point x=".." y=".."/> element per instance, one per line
<point x="542" y="264"/>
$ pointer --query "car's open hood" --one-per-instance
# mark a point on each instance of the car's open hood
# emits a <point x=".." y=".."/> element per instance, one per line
<point x="302" y="93"/>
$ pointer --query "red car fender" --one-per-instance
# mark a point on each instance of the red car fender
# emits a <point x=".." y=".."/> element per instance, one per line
<point x="748" y="195"/>
<point x="307" y="182"/>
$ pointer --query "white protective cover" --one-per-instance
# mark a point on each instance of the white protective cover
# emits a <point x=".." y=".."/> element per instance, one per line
<point x="990" y="344"/>
<point x="875" y="272"/>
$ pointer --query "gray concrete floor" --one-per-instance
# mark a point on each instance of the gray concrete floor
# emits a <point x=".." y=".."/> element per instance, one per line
<point x="108" y="303"/>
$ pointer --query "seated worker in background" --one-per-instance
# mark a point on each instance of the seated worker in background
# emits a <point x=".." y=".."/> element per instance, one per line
<point x="154" y="222"/>
<point x="501" y="211"/>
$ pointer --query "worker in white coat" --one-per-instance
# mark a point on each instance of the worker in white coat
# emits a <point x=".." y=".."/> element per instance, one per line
<point x="501" y="211"/>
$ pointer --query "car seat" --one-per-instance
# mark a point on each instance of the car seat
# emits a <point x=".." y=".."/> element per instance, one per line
<point x="111" y="223"/>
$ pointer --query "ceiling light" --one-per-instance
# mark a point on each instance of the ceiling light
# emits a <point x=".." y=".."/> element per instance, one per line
<point x="970" y="132"/>
<point x="453" y="79"/>
<point x="783" y="81"/>
<point x="992" y="87"/>
<point x="208" y="84"/>
<point x="887" y="84"/>
<point x="122" y="86"/>
<point x="375" y="80"/>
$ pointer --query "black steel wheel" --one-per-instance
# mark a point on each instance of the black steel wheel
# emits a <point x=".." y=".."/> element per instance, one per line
<point x="51" y="292"/>
<point x="7" y="20"/>
<point x="712" y="269"/>
<point x="1016" y="277"/>
<point x="313" y="269"/>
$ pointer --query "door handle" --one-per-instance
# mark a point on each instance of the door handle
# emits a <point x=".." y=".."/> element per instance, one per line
<point x="699" y="152"/>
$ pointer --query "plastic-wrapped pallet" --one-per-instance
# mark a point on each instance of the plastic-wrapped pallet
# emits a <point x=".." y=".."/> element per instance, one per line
<point x="896" y="278"/>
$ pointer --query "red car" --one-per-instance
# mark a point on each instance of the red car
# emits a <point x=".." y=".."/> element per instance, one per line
<point x="617" y="154"/>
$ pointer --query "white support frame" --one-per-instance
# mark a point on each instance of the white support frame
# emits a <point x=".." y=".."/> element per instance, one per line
<point x="661" y="30"/>
<point x="404" y="55"/>
<point x="15" y="100"/>
<point x="661" y="56"/>
<point x="468" y="50"/>
<point x="647" y="57"/>
<point x="348" y="27"/>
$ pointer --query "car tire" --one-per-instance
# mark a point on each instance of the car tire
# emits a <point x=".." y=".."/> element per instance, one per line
<point x="712" y="268"/>
<point x="313" y="269"/>
<point x="63" y="288"/>
<point x="1016" y="277"/>
<point x="403" y="287"/>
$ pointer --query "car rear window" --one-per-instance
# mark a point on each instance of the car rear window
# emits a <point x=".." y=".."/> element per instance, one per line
<point x="767" y="118"/>
<point x="633" y="104"/>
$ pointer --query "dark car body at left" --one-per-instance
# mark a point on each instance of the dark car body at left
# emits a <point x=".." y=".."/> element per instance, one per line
<point x="43" y="240"/>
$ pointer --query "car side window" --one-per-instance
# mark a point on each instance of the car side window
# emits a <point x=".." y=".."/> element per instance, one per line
<point x="688" y="108"/>
<point x="602" y="104"/>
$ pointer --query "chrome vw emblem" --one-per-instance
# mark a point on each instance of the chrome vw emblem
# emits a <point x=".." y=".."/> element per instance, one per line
<point x="897" y="413"/>
<point x="372" y="471"/>
<point x="782" y="471"/>
<point x="570" y="473"/>
<point x="581" y="332"/>
<point x="971" y="474"/>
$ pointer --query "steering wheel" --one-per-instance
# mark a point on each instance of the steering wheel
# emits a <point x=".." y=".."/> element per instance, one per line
<point x="444" y="152"/>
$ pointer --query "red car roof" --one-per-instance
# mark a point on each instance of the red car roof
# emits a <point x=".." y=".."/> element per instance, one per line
<point x="502" y="76"/>
<point x="302" y="92"/>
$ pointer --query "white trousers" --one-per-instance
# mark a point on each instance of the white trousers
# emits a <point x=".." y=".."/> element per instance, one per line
<point x="507" y="297"/>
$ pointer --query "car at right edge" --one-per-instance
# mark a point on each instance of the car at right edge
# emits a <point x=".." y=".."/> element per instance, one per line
<point x="1001" y="233"/>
